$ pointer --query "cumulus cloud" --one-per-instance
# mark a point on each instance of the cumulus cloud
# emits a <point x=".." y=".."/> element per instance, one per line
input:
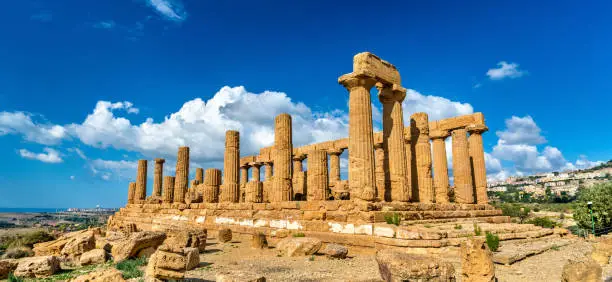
<point x="49" y="156"/>
<point x="521" y="130"/>
<point x="72" y="177"/>
<point x="583" y="162"/>
<point x="21" y="123"/>
<point x="505" y="69"/>
<point x="435" y="106"/>
<point x="106" y="169"/>
<point x="105" y="24"/>
<point x="169" y="9"/>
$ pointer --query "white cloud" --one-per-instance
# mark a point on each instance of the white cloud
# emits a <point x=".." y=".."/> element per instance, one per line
<point x="49" y="156"/>
<point x="169" y="9"/>
<point x="105" y="24"/>
<point x="120" y="169"/>
<point x="22" y="123"/>
<point x="436" y="107"/>
<point x="583" y="163"/>
<point x="521" y="130"/>
<point x="504" y="70"/>
<point x="72" y="177"/>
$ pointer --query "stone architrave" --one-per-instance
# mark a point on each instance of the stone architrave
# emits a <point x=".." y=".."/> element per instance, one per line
<point x="158" y="175"/>
<point x="141" y="181"/>
<point x="182" y="175"/>
<point x="230" y="191"/>
<point x="361" y="140"/>
<point x="317" y="175"/>
<point x="379" y="170"/>
<point x="281" y="154"/>
<point x="212" y="181"/>
<point x="440" y="165"/>
<point x="168" y="191"/>
<point x="462" y="172"/>
<point x="199" y="175"/>
<point x="421" y="158"/>
<point x="334" y="166"/>
<point x="391" y="98"/>
<point x="299" y="178"/>
<point x="131" y="192"/>
<point x="477" y="160"/>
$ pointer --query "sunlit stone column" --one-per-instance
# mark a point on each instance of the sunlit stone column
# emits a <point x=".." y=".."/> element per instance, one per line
<point x="182" y="175"/>
<point x="212" y="181"/>
<point x="391" y="98"/>
<point x="281" y="154"/>
<point x="158" y="175"/>
<point x="409" y="165"/>
<point x="141" y="180"/>
<point x="199" y="175"/>
<point x="440" y="165"/>
<point x="230" y="190"/>
<point x="255" y="173"/>
<point x="299" y="178"/>
<point x="168" y="191"/>
<point x="131" y="192"/>
<point x="462" y="172"/>
<point x="379" y="171"/>
<point x="422" y="152"/>
<point x="334" y="166"/>
<point x="244" y="179"/>
<point x="267" y="186"/>
<point x="317" y="175"/>
<point x="361" y="139"/>
<point x="479" y="171"/>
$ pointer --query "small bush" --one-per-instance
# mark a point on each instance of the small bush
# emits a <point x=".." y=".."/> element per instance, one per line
<point x="554" y="248"/>
<point x="543" y="222"/>
<point x="299" y="234"/>
<point x="17" y="252"/>
<point x="477" y="230"/>
<point x="492" y="241"/>
<point x="458" y="226"/>
<point x="37" y="237"/>
<point x="393" y="219"/>
<point x="130" y="268"/>
<point x="13" y="278"/>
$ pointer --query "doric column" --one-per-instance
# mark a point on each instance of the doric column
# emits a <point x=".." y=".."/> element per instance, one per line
<point x="317" y="175"/>
<point x="230" y="190"/>
<point x="391" y="98"/>
<point x="299" y="178"/>
<point x="334" y="166"/>
<point x="479" y="171"/>
<point x="268" y="171"/>
<point x="422" y="154"/>
<point x="212" y="181"/>
<point x="381" y="176"/>
<point x="440" y="165"/>
<point x="267" y="186"/>
<point x="361" y="139"/>
<point x="199" y="175"/>
<point x="182" y="175"/>
<point x="255" y="173"/>
<point x="131" y="192"/>
<point x="168" y="191"/>
<point x="462" y="173"/>
<point x="281" y="155"/>
<point x="244" y="179"/>
<point x="409" y="165"/>
<point x="158" y="175"/>
<point x="141" y="180"/>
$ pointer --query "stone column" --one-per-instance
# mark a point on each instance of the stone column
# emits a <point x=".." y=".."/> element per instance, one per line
<point x="440" y="165"/>
<point x="168" y="191"/>
<point x="361" y="139"/>
<point x="477" y="159"/>
<point x="199" y="175"/>
<point x="422" y="158"/>
<point x="409" y="165"/>
<point x="212" y="181"/>
<point x="381" y="180"/>
<point x="131" y="192"/>
<point x="141" y="180"/>
<point x="281" y="154"/>
<point x="317" y="175"/>
<point x="158" y="177"/>
<point x="462" y="173"/>
<point x="255" y="173"/>
<point x="334" y="166"/>
<point x="299" y="178"/>
<point x="268" y="171"/>
<point x="182" y="175"/>
<point x="391" y="98"/>
<point x="244" y="179"/>
<point x="230" y="191"/>
<point x="267" y="186"/>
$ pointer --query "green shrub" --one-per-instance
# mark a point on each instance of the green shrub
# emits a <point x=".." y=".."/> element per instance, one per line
<point x="554" y="248"/>
<point x="601" y="196"/>
<point x="458" y="226"/>
<point x="492" y="241"/>
<point x="514" y="210"/>
<point x="477" y="230"/>
<point x="393" y="219"/>
<point x="130" y="268"/>
<point x="543" y="222"/>
<point x="17" y="252"/>
<point x="299" y="234"/>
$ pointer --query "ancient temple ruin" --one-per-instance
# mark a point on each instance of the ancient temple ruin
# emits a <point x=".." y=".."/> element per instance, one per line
<point x="400" y="172"/>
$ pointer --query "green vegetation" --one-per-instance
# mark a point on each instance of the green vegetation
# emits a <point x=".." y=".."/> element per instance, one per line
<point x="601" y="196"/>
<point x="17" y="243"/>
<point x="515" y="210"/>
<point x="492" y="241"/>
<point x="458" y="226"/>
<point x="393" y="219"/>
<point x="131" y="268"/>
<point x="299" y="234"/>
<point x="477" y="230"/>
<point x="554" y="248"/>
<point x="17" y="252"/>
<point x="427" y="225"/>
<point x="13" y="278"/>
<point x="543" y="222"/>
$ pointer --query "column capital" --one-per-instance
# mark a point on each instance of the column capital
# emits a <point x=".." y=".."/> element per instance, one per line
<point x="476" y="128"/>
<point x="419" y="124"/>
<point x="255" y="164"/>
<point x="335" y="151"/>
<point x="160" y="161"/>
<point x="439" y="134"/>
<point x="362" y="79"/>
<point x="390" y="93"/>
<point x="245" y="165"/>
<point x="299" y="157"/>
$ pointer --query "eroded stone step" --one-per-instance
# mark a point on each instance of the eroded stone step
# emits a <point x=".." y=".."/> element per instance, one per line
<point x="511" y="253"/>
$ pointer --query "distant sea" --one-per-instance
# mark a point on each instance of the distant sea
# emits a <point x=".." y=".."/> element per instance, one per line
<point x="25" y="210"/>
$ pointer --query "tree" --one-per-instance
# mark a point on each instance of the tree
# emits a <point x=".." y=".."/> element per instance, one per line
<point x="601" y="196"/>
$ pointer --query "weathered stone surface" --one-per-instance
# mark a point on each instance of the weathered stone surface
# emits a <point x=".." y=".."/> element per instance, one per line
<point x="56" y="246"/>
<point x="224" y="235"/>
<point x="101" y="275"/>
<point x="129" y="247"/>
<point x="239" y="276"/>
<point x="37" y="267"/>
<point x="462" y="171"/>
<point x="259" y="241"/>
<point x="584" y="270"/>
<point x="7" y="266"/>
<point x="168" y="191"/>
<point x="182" y="175"/>
<point x="440" y="166"/>
<point x="281" y="155"/>
<point x="155" y="269"/>
<point x="602" y="251"/>
<point x="334" y="251"/>
<point x="176" y="241"/>
<point x="79" y="244"/>
<point x="300" y="246"/>
<point x="317" y="175"/>
<point x="158" y="177"/>
<point x="477" y="159"/>
<point x="396" y="265"/>
<point x="95" y="256"/>
<point x="212" y="181"/>
<point x="146" y="252"/>
<point x="382" y="70"/>
<point x="169" y="260"/>
<point x="192" y="258"/>
<point x="421" y="159"/>
<point x="476" y="261"/>
<point x="230" y="190"/>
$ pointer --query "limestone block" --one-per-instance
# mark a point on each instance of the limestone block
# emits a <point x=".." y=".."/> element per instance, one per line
<point x="317" y="175"/>
<point x="95" y="256"/>
<point x="282" y="157"/>
<point x="581" y="270"/>
<point x="192" y="258"/>
<point x="101" y="275"/>
<point x="224" y="235"/>
<point x="79" y="244"/>
<point x="371" y="64"/>
<point x="182" y="175"/>
<point x="239" y="276"/>
<point x="259" y="241"/>
<point x="230" y="191"/>
<point x="168" y="190"/>
<point x="7" y="266"/>
<point x="476" y="261"/>
<point x="137" y="241"/>
<point x="141" y="180"/>
<point x="335" y="251"/>
<point x="386" y="230"/>
<point x="398" y="265"/>
<point x="298" y="246"/>
<point x="37" y="267"/>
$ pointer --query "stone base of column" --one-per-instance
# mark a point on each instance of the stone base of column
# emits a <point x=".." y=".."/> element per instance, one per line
<point x="210" y="193"/>
<point x="229" y="193"/>
<point x="253" y="192"/>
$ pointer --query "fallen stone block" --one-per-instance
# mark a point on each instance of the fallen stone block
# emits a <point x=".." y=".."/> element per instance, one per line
<point x="396" y="265"/>
<point x="137" y="241"/>
<point x="102" y="275"/>
<point x="37" y="267"/>
<point x="335" y="251"/>
<point x="584" y="270"/>
<point x="95" y="256"/>
<point x="300" y="246"/>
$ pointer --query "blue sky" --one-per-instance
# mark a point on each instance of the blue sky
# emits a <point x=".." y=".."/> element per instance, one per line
<point x="89" y="87"/>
